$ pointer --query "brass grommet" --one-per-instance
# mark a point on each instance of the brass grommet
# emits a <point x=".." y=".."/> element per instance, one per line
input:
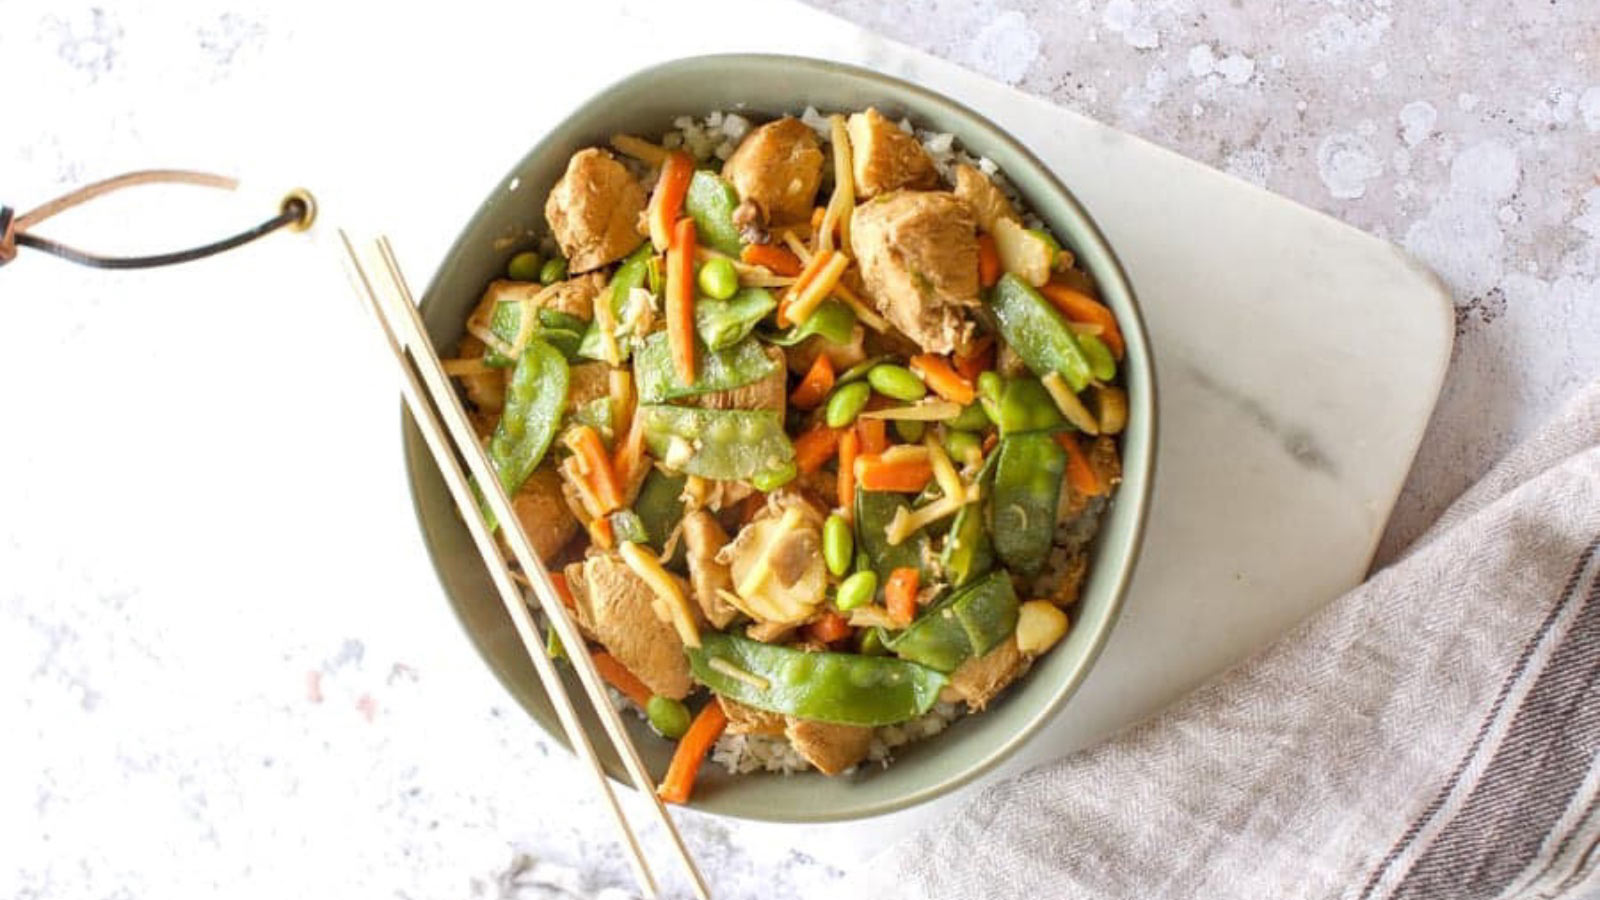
<point x="308" y="205"/>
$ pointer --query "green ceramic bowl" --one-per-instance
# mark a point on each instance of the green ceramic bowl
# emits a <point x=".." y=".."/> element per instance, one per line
<point x="765" y="86"/>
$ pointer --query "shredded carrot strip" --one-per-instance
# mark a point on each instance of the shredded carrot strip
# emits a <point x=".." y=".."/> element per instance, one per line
<point x="807" y="275"/>
<point x="849" y="448"/>
<point x="900" y="595"/>
<point x="1079" y="307"/>
<point x="692" y="749"/>
<point x="977" y="358"/>
<point x="988" y="261"/>
<point x="874" y="434"/>
<point x="828" y="629"/>
<point x="814" y="387"/>
<point x="563" y="590"/>
<point x="805" y="301"/>
<point x="778" y="259"/>
<point x="605" y="537"/>
<point x="618" y="676"/>
<point x="1079" y="473"/>
<point x="591" y="453"/>
<point x="667" y="200"/>
<point x="907" y="476"/>
<point x="680" y="299"/>
<point x="814" y="448"/>
<point x="944" y="380"/>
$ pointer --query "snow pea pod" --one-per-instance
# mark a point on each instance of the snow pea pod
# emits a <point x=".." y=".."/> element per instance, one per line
<point x="560" y="330"/>
<point x="710" y="203"/>
<point x="1025" y="405"/>
<point x="660" y="509"/>
<point x="535" y="399"/>
<point x="741" y="444"/>
<point x="633" y="273"/>
<point x="723" y="323"/>
<point x="874" y="511"/>
<point x="967" y="623"/>
<point x="835" y="321"/>
<point x="968" y="550"/>
<point x="1027" y="487"/>
<point x="718" y="370"/>
<point x="1037" y="332"/>
<point x="843" y="688"/>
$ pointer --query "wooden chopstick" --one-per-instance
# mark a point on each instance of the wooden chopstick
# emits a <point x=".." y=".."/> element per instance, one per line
<point x="439" y="445"/>
<point x="402" y="319"/>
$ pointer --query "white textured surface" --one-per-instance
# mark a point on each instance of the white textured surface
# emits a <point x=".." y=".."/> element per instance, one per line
<point x="171" y="742"/>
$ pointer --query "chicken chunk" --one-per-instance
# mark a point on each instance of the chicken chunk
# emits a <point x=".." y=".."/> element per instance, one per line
<point x="614" y="606"/>
<point x="594" y="210"/>
<point x="543" y="514"/>
<point x="587" y="382"/>
<point x="831" y="748"/>
<point x="770" y="392"/>
<point x="777" y="559"/>
<point x="744" y="719"/>
<point x="486" y="390"/>
<point x="778" y="167"/>
<point x="703" y="539"/>
<point x="978" y="680"/>
<point x="919" y="258"/>
<point x="988" y="204"/>
<point x="883" y="158"/>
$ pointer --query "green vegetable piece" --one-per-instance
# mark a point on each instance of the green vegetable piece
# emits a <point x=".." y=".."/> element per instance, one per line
<point x="897" y="382"/>
<point x="553" y="270"/>
<point x="558" y="329"/>
<point x="552" y="644"/>
<point x="741" y="444"/>
<point x="711" y="202"/>
<point x="1049" y="241"/>
<point x="843" y="688"/>
<point x="718" y="279"/>
<point x="772" y="479"/>
<point x="838" y="544"/>
<point x="961" y="444"/>
<point x="858" y="371"/>
<point x="857" y="590"/>
<point x="1027" y="487"/>
<point x="660" y="509"/>
<point x="627" y="526"/>
<point x="524" y="266"/>
<point x="968" y="549"/>
<point x="835" y="321"/>
<point x="723" y="323"/>
<point x="972" y="418"/>
<point x="1027" y="406"/>
<point x="909" y="430"/>
<point x="1101" y="363"/>
<point x="874" y="510"/>
<point x="990" y="388"/>
<point x="536" y="397"/>
<point x="669" y="717"/>
<point x="846" y="402"/>
<point x="1037" y="332"/>
<point x="715" y="370"/>
<point x="966" y="623"/>
<point x="870" y="643"/>
<point x="631" y="274"/>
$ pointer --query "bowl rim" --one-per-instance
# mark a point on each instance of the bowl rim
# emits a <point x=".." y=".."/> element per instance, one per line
<point x="1135" y="334"/>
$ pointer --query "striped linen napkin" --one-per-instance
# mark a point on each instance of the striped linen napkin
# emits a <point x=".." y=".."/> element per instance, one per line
<point x="1433" y="734"/>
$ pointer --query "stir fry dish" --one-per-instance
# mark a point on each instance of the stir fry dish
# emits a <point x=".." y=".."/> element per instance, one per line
<point x="813" y="421"/>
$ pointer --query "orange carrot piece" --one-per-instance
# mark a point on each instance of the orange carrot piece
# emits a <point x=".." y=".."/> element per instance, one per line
<point x="563" y="590"/>
<point x="815" y="447"/>
<point x="667" y="200"/>
<point x="814" y="388"/>
<point x="874" y="434"/>
<point x="680" y="299"/>
<point x="849" y="448"/>
<point x="1079" y="473"/>
<point x="828" y="629"/>
<point x="605" y="537"/>
<point x="900" y="595"/>
<point x="988" y="261"/>
<point x="807" y="275"/>
<point x="586" y="443"/>
<point x="874" y="473"/>
<point x="1080" y="307"/>
<point x="692" y="749"/>
<point x="978" y="358"/>
<point x="944" y="380"/>
<point x="618" y="676"/>
<point x="780" y="260"/>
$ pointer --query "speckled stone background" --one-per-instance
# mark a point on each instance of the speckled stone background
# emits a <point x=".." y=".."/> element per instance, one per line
<point x="182" y="716"/>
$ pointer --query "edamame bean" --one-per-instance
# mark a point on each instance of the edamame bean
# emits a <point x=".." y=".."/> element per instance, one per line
<point x="553" y="270"/>
<point x="990" y="387"/>
<point x="909" y="430"/>
<point x="524" y="266"/>
<point x="972" y="418"/>
<point x="961" y="445"/>
<point x="847" y="402"/>
<point x="857" y="590"/>
<point x="669" y="717"/>
<point x="838" y="544"/>
<point x="897" y="382"/>
<point x="718" y="279"/>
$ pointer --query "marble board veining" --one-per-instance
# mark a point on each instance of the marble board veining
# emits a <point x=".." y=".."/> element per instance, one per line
<point x="283" y="706"/>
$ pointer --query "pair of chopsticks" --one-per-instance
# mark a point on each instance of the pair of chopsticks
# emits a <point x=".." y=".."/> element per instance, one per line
<point x="449" y="434"/>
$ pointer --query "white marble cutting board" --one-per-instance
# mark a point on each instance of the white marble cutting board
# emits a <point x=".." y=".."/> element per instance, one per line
<point x="1297" y="359"/>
